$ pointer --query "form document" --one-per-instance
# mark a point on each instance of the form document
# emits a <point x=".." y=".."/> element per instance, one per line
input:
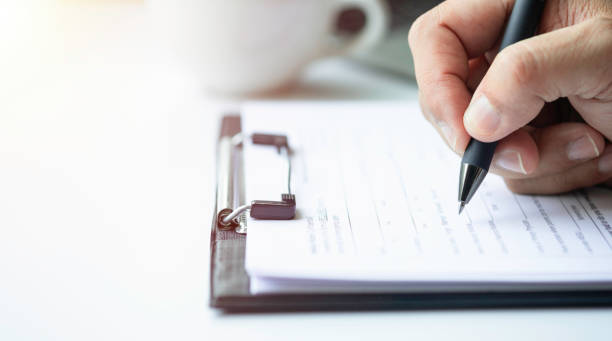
<point x="376" y="192"/>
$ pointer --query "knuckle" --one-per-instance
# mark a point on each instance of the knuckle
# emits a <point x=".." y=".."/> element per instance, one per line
<point x="562" y="182"/>
<point x="420" y="26"/>
<point x="606" y="93"/>
<point x="431" y="83"/>
<point x="600" y="25"/>
<point x="436" y="81"/>
<point x="516" y="185"/>
<point x="599" y="31"/>
<point x="519" y="62"/>
<point x="415" y="29"/>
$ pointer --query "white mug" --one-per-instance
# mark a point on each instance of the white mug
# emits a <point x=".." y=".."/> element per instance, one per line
<point x="256" y="46"/>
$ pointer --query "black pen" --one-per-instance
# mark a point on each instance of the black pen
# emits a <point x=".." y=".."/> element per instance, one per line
<point x="522" y="24"/>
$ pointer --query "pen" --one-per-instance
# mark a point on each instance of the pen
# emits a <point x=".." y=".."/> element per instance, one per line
<point x="477" y="158"/>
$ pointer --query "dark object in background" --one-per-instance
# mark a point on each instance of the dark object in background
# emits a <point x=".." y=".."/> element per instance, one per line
<point x="350" y="21"/>
<point x="393" y="54"/>
<point x="405" y="12"/>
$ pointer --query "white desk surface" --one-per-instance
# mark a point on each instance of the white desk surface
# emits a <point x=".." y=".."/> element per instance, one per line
<point x="106" y="193"/>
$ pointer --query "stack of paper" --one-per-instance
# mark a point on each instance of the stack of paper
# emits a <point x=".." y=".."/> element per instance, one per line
<point x="376" y="191"/>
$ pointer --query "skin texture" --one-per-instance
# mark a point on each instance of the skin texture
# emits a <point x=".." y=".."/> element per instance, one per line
<point x="547" y="99"/>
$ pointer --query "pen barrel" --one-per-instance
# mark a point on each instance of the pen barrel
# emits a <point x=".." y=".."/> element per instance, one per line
<point x="523" y="21"/>
<point x="479" y="154"/>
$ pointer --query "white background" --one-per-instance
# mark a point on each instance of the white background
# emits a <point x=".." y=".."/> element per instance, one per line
<point x="106" y="193"/>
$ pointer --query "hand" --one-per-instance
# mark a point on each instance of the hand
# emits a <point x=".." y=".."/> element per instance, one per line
<point x="546" y="99"/>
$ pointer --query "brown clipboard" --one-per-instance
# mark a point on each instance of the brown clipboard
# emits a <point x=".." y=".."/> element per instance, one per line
<point x="229" y="281"/>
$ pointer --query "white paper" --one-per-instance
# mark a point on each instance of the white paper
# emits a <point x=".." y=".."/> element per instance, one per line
<point x="376" y="191"/>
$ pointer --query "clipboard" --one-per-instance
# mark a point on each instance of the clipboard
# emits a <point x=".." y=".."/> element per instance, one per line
<point x="229" y="281"/>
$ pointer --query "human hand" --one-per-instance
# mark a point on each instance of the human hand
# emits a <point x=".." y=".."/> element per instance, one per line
<point x="546" y="99"/>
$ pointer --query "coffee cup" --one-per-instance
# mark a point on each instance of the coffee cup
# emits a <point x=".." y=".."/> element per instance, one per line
<point x="257" y="46"/>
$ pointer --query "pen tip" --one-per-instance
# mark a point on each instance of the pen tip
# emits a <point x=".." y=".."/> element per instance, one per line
<point x="461" y="206"/>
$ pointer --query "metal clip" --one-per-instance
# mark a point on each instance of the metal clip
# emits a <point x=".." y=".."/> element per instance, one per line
<point x="285" y="209"/>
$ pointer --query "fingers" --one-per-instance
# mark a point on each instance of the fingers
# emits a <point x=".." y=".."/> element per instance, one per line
<point x="566" y="145"/>
<point x="597" y="112"/>
<point x="570" y="62"/>
<point x="442" y="41"/>
<point x="516" y="156"/>
<point x="532" y="153"/>
<point x="586" y="174"/>
<point x="553" y="159"/>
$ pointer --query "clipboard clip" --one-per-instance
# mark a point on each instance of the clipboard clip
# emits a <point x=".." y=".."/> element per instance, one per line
<point x="228" y="218"/>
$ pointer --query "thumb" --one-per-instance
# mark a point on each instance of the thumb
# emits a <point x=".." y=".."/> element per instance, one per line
<point x="569" y="62"/>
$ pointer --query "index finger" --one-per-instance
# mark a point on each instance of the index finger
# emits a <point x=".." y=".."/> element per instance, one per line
<point x="443" y="41"/>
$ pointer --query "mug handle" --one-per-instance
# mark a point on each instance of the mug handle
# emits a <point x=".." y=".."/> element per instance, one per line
<point x="376" y="26"/>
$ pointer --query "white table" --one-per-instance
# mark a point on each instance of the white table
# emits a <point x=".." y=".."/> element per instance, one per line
<point x="106" y="193"/>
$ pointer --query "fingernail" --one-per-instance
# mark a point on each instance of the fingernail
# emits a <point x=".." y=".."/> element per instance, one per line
<point x="583" y="148"/>
<point x="480" y="117"/>
<point x="605" y="163"/>
<point x="448" y="133"/>
<point x="512" y="161"/>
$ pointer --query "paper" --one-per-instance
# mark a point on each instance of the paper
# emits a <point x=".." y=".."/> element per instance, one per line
<point x="376" y="191"/>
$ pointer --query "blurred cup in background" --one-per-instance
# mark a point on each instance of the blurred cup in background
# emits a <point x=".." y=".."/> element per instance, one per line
<point x="244" y="47"/>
